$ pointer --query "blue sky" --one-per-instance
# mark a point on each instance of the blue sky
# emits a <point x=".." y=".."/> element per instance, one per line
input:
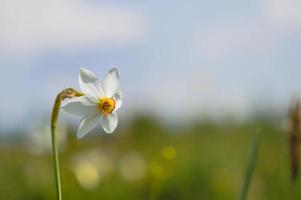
<point x="176" y="58"/>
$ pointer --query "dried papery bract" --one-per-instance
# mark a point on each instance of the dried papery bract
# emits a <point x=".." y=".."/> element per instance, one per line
<point x="69" y="93"/>
<point x="295" y="136"/>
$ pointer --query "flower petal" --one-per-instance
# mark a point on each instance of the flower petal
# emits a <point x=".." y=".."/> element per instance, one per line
<point x="118" y="99"/>
<point x="79" y="106"/>
<point x="109" y="122"/>
<point x="88" y="123"/>
<point x="111" y="82"/>
<point x="90" y="84"/>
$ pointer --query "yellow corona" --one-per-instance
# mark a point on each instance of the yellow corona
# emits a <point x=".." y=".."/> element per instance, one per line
<point x="106" y="105"/>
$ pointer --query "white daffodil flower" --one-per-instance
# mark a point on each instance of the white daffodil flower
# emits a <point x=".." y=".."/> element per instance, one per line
<point x="99" y="104"/>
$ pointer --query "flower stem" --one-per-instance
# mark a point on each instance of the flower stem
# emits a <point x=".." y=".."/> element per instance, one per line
<point x="67" y="93"/>
<point x="250" y="167"/>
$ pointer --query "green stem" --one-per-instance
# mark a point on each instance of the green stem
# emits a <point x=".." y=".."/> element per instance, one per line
<point x="250" y="168"/>
<point x="55" y="114"/>
<point x="67" y="93"/>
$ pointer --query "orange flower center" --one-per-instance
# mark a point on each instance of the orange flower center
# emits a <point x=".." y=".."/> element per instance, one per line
<point x="106" y="105"/>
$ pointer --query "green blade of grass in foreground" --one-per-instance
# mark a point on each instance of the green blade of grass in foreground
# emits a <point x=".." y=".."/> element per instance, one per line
<point x="250" y="167"/>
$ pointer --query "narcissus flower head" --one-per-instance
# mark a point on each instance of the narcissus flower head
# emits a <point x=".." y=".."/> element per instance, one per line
<point x="99" y="102"/>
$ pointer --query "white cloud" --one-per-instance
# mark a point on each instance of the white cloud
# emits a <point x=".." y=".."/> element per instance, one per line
<point x="218" y="42"/>
<point x="35" y="25"/>
<point x="274" y="22"/>
<point x="187" y="96"/>
<point x="284" y="12"/>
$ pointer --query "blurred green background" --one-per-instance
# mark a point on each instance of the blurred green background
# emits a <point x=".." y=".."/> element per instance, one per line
<point x="149" y="160"/>
<point x="198" y="77"/>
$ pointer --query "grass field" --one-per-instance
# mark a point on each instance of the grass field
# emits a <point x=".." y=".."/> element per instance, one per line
<point x="149" y="161"/>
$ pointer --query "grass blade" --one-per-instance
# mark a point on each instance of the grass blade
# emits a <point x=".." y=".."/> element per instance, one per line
<point x="250" y="167"/>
